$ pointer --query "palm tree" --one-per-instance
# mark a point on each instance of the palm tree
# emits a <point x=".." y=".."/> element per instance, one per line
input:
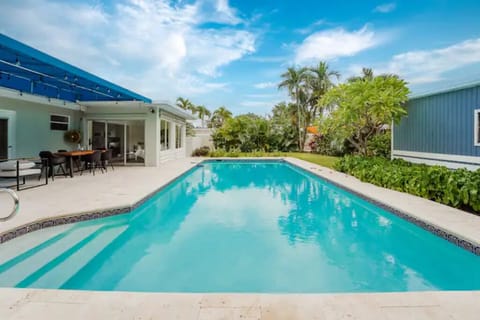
<point x="219" y="117"/>
<point x="367" y="75"/>
<point x="294" y="80"/>
<point x="202" y="113"/>
<point x="186" y="104"/>
<point x="319" y="81"/>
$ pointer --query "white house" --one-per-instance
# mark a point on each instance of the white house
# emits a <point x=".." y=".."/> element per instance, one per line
<point x="42" y="98"/>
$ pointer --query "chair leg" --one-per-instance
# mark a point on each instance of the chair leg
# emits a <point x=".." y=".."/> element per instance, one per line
<point x="63" y="170"/>
<point x="111" y="163"/>
<point x="52" y="172"/>
<point x="42" y="168"/>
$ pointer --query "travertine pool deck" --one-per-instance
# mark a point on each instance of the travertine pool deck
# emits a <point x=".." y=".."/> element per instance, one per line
<point x="127" y="185"/>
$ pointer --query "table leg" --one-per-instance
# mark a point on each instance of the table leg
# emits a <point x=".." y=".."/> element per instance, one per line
<point x="71" y="166"/>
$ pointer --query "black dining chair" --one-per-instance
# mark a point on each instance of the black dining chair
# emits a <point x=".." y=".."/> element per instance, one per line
<point x="106" y="159"/>
<point x="53" y="161"/>
<point x="92" y="162"/>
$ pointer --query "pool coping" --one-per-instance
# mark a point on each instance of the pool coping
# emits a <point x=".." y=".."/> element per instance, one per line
<point x="457" y="239"/>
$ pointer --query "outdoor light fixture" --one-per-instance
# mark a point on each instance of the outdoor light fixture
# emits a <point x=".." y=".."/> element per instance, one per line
<point x="17" y="62"/>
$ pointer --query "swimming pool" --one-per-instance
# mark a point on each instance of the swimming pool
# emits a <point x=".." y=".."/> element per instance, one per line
<point x="262" y="226"/>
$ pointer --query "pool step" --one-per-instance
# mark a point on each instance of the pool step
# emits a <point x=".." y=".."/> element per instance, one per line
<point x="20" y="245"/>
<point x="15" y="273"/>
<point x="58" y="274"/>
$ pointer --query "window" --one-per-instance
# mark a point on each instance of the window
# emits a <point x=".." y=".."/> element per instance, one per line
<point x="58" y="122"/>
<point x="477" y="127"/>
<point x="164" y="143"/>
<point x="178" y="136"/>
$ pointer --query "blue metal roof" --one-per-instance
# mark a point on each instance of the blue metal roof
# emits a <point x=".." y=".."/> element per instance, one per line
<point x="28" y="70"/>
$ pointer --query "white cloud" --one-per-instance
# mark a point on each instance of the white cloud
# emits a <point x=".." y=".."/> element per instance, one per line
<point x="154" y="47"/>
<point x="311" y="27"/>
<point x="257" y="104"/>
<point x="265" y="85"/>
<point x="429" y="65"/>
<point x="385" y="7"/>
<point x="334" y="43"/>
<point x="262" y="95"/>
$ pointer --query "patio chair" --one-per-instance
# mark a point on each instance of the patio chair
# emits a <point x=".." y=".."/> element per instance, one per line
<point x="53" y="161"/>
<point x="106" y="159"/>
<point x="92" y="162"/>
<point x="20" y="169"/>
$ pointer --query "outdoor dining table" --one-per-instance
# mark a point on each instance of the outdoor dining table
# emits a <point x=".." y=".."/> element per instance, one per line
<point x="76" y="153"/>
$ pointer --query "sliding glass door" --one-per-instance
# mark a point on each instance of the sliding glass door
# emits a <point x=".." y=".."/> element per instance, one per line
<point x="124" y="137"/>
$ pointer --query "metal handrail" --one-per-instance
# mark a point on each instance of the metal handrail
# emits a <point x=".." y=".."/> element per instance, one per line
<point x="15" y="206"/>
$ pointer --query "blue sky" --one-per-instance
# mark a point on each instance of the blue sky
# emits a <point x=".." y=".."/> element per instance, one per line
<point x="231" y="53"/>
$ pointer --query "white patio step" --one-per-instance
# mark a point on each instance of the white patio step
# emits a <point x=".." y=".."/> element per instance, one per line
<point x="60" y="274"/>
<point x="23" y="269"/>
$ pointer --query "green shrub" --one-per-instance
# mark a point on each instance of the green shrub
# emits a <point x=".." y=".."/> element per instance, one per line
<point x="456" y="188"/>
<point x="326" y="144"/>
<point x="218" y="153"/>
<point x="201" y="152"/>
<point x="380" y="145"/>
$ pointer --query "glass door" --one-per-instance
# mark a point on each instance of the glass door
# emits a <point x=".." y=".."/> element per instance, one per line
<point x="97" y="134"/>
<point x="3" y="139"/>
<point x="126" y="139"/>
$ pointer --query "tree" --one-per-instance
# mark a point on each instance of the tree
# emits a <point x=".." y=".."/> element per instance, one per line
<point x="319" y="82"/>
<point x="307" y="86"/>
<point x="367" y="75"/>
<point x="202" y="113"/>
<point x="219" y="117"/>
<point x="294" y="80"/>
<point x="283" y="123"/>
<point x="186" y="104"/>
<point x="361" y="108"/>
<point x="246" y="133"/>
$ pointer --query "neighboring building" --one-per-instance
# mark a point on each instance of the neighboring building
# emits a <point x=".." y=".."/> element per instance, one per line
<point x="441" y="128"/>
<point x="42" y="97"/>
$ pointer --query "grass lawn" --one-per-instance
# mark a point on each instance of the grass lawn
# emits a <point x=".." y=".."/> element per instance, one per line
<point x="326" y="161"/>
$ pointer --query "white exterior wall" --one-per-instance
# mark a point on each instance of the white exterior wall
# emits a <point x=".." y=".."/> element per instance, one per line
<point x="203" y="137"/>
<point x="29" y="123"/>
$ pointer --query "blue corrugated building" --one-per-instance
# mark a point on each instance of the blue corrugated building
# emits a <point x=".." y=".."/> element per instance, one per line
<point x="441" y="128"/>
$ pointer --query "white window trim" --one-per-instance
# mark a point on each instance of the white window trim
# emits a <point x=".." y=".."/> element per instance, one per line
<point x="476" y="125"/>
<point x="59" y="115"/>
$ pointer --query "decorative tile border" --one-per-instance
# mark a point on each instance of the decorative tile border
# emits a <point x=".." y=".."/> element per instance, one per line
<point x="458" y="241"/>
<point x="56" y="221"/>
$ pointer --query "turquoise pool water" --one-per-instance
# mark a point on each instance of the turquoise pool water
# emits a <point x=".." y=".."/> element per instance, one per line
<point x="244" y="227"/>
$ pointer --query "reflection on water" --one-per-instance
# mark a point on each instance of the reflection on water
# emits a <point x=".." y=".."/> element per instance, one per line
<point x="264" y="227"/>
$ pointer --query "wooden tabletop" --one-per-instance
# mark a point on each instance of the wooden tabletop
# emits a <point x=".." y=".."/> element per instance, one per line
<point x="77" y="153"/>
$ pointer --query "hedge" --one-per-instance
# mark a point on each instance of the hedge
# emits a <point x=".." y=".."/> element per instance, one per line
<point x="457" y="188"/>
